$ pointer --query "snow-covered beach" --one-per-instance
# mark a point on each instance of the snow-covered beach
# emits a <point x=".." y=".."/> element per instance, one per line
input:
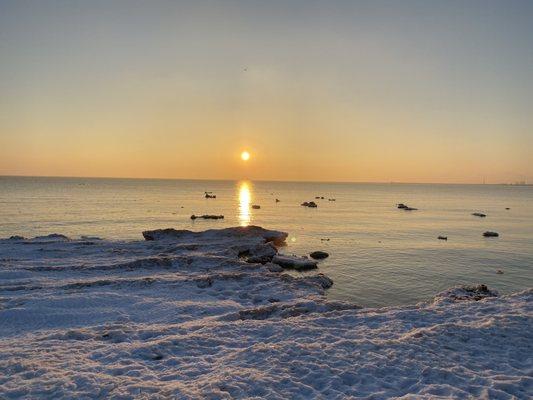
<point x="205" y="315"/>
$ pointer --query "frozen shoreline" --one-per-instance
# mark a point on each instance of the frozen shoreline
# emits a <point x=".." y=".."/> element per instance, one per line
<point x="185" y="316"/>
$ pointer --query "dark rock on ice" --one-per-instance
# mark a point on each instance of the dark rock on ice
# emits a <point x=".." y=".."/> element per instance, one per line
<point x="322" y="280"/>
<point x="261" y="253"/>
<point x="16" y="237"/>
<point x="461" y="293"/>
<point x="275" y="268"/>
<point x="52" y="236"/>
<point x="204" y="282"/>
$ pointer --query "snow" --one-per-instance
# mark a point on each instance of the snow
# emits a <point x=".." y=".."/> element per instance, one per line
<point x="191" y="315"/>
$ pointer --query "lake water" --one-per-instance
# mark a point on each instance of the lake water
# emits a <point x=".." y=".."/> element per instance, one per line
<point x="379" y="255"/>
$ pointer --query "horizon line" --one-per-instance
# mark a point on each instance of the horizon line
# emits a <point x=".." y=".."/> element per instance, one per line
<point x="261" y="180"/>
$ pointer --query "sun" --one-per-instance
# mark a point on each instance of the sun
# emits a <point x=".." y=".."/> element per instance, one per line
<point x="245" y="156"/>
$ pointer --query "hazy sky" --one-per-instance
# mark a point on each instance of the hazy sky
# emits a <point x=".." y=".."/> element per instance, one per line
<point x="413" y="91"/>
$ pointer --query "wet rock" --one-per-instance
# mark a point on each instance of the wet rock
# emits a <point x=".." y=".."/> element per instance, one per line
<point x="294" y="262"/>
<point x="52" y="237"/>
<point x="468" y="293"/>
<point x="443" y="238"/>
<point x="275" y="268"/>
<point x="193" y="217"/>
<point x="499" y="272"/>
<point x="16" y="237"/>
<point x="310" y="204"/>
<point x="491" y="234"/>
<point x="256" y="206"/>
<point x="204" y="282"/>
<point x="479" y="292"/>
<point x="322" y="280"/>
<point x="477" y="214"/>
<point x="260" y="254"/>
<point x="319" y="255"/>
<point x="208" y="195"/>
<point x="401" y="205"/>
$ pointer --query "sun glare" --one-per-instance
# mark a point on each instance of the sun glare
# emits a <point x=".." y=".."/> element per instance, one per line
<point x="245" y="156"/>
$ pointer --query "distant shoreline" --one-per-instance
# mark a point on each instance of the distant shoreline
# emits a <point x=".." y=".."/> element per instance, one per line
<point x="262" y="180"/>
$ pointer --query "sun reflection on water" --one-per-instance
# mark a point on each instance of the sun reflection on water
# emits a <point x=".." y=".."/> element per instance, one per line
<point x="245" y="199"/>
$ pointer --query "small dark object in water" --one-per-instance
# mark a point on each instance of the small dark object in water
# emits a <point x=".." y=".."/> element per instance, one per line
<point x="256" y="206"/>
<point x="311" y="204"/>
<point x="193" y="217"/>
<point x="331" y="199"/>
<point x="210" y="196"/>
<point x="322" y="197"/>
<point x="491" y="234"/>
<point x="410" y="209"/>
<point x="325" y="240"/>
<point x="401" y="205"/>
<point x="277" y="200"/>
<point x="317" y="197"/>
<point x="476" y="214"/>
<point x="319" y="255"/>
<point x="507" y="208"/>
<point x="443" y="238"/>
<point x="499" y="272"/>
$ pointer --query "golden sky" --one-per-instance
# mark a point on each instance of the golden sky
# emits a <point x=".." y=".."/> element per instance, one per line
<point x="323" y="91"/>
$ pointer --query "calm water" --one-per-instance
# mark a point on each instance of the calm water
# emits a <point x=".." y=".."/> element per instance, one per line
<point x="379" y="255"/>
